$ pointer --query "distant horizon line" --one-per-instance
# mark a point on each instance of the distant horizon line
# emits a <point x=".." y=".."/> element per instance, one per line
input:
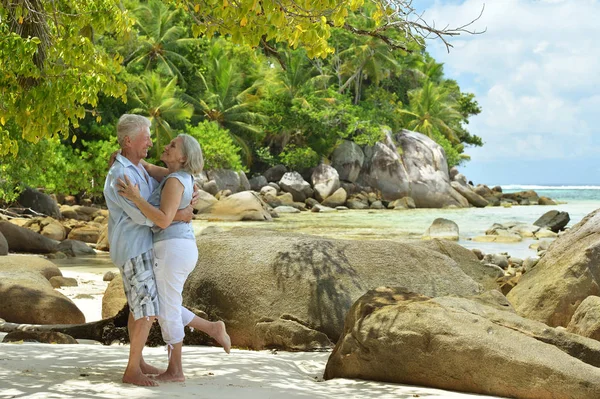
<point x="548" y="186"/>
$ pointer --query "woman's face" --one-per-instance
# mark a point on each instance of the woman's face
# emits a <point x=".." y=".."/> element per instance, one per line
<point x="173" y="152"/>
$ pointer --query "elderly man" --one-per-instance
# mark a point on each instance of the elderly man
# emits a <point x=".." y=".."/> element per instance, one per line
<point x="130" y="239"/>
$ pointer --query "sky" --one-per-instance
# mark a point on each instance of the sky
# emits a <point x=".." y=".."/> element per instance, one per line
<point x="535" y="73"/>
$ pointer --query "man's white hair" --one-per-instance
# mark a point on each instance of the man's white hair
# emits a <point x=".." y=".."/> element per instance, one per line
<point x="131" y="125"/>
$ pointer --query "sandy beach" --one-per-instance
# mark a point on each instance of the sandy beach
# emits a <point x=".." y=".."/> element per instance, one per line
<point x="31" y="370"/>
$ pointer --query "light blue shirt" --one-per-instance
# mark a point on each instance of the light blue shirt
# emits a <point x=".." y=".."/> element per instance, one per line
<point x="129" y="231"/>
<point x="177" y="229"/>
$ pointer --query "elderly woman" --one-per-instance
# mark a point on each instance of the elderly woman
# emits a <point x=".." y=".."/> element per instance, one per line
<point x="175" y="249"/>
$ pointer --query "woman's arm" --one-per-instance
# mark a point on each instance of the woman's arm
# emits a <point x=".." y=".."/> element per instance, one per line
<point x="169" y="201"/>
<point x="157" y="172"/>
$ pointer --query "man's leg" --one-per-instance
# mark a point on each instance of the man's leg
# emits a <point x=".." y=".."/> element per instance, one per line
<point x="145" y="367"/>
<point x="140" y="289"/>
<point x="138" y="335"/>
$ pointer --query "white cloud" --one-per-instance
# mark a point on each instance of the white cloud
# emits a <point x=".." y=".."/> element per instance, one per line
<point x="534" y="72"/>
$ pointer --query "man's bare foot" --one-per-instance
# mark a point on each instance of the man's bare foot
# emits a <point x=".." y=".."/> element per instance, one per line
<point x="138" y="379"/>
<point x="148" y="369"/>
<point x="221" y="336"/>
<point x="169" y="376"/>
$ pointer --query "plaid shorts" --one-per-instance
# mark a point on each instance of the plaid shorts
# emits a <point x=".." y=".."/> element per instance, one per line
<point x="140" y="285"/>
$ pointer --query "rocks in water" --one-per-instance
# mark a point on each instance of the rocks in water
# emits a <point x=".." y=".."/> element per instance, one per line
<point x="471" y="196"/>
<point x="286" y="209"/>
<point x="26" y="295"/>
<point x="44" y="337"/>
<point x="586" y="319"/>
<point x="241" y="206"/>
<point x="530" y="196"/>
<point x="553" y="220"/>
<point x="74" y="248"/>
<point x="546" y="201"/>
<point x="322" y="209"/>
<point x="60" y="281"/>
<point x="290" y="334"/>
<point x="496" y="259"/>
<point x="437" y="342"/>
<point x="39" y="202"/>
<point x="21" y="239"/>
<point x="245" y="275"/>
<point x="566" y="275"/>
<point x="441" y="228"/>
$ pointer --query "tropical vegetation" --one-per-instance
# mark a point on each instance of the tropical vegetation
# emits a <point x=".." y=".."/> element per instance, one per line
<point x="267" y="86"/>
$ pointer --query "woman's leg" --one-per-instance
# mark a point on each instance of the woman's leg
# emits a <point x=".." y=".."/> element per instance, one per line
<point x="171" y="270"/>
<point x="215" y="329"/>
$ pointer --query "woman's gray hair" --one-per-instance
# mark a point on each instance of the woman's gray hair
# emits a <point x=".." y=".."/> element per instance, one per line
<point x="131" y="125"/>
<point x="194" y="160"/>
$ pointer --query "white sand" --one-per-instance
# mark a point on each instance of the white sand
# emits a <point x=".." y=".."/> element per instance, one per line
<point x="86" y="370"/>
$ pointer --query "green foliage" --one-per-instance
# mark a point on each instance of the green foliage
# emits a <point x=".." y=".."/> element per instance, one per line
<point x="218" y="148"/>
<point x="51" y="67"/>
<point x="57" y="167"/>
<point x="161" y="104"/>
<point x="299" y="158"/>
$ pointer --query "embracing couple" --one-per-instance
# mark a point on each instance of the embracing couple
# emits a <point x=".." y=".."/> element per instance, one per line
<point x="153" y="244"/>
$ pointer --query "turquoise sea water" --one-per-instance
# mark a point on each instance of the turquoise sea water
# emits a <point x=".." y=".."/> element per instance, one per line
<point x="411" y="224"/>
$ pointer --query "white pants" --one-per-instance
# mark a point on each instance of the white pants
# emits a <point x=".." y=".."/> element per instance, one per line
<point x="174" y="261"/>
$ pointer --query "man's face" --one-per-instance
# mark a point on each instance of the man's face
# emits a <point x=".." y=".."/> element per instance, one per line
<point x="140" y="143"/>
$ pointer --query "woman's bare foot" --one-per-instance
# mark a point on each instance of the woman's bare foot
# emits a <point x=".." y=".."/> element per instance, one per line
<point x="148" y="369"/>
<point x="169" y="376"/>
<point x="221" y="336"/>
<point x="139" y="379"/>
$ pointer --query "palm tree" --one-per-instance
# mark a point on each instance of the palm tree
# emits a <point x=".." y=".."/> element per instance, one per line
<point x="368" y="59"/>
<point x="160" y="39"/>
<point x="161" y="104"/>
<point x="432" y="109"/>
<point x="227" y="102"/>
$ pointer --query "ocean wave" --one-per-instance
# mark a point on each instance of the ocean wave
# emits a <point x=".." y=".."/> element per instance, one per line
<point x="538" y="187"/>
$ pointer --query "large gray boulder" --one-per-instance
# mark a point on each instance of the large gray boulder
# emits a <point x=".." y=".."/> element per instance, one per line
<point x="21" y="239"/>
<point x="348" y="159"/>
<point x="226" y="179"/>
<point x="26" y="295"/>
<point x="568" y="273"/>
<point x="427" y="170"/>
<point x="325" y="180"/>
<point x="473" y="345"/>
<point x="246" y="275"/>
<point x="205" y="200"/>
<point x="384" y="171"/>
<point x="39" y="202"/>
